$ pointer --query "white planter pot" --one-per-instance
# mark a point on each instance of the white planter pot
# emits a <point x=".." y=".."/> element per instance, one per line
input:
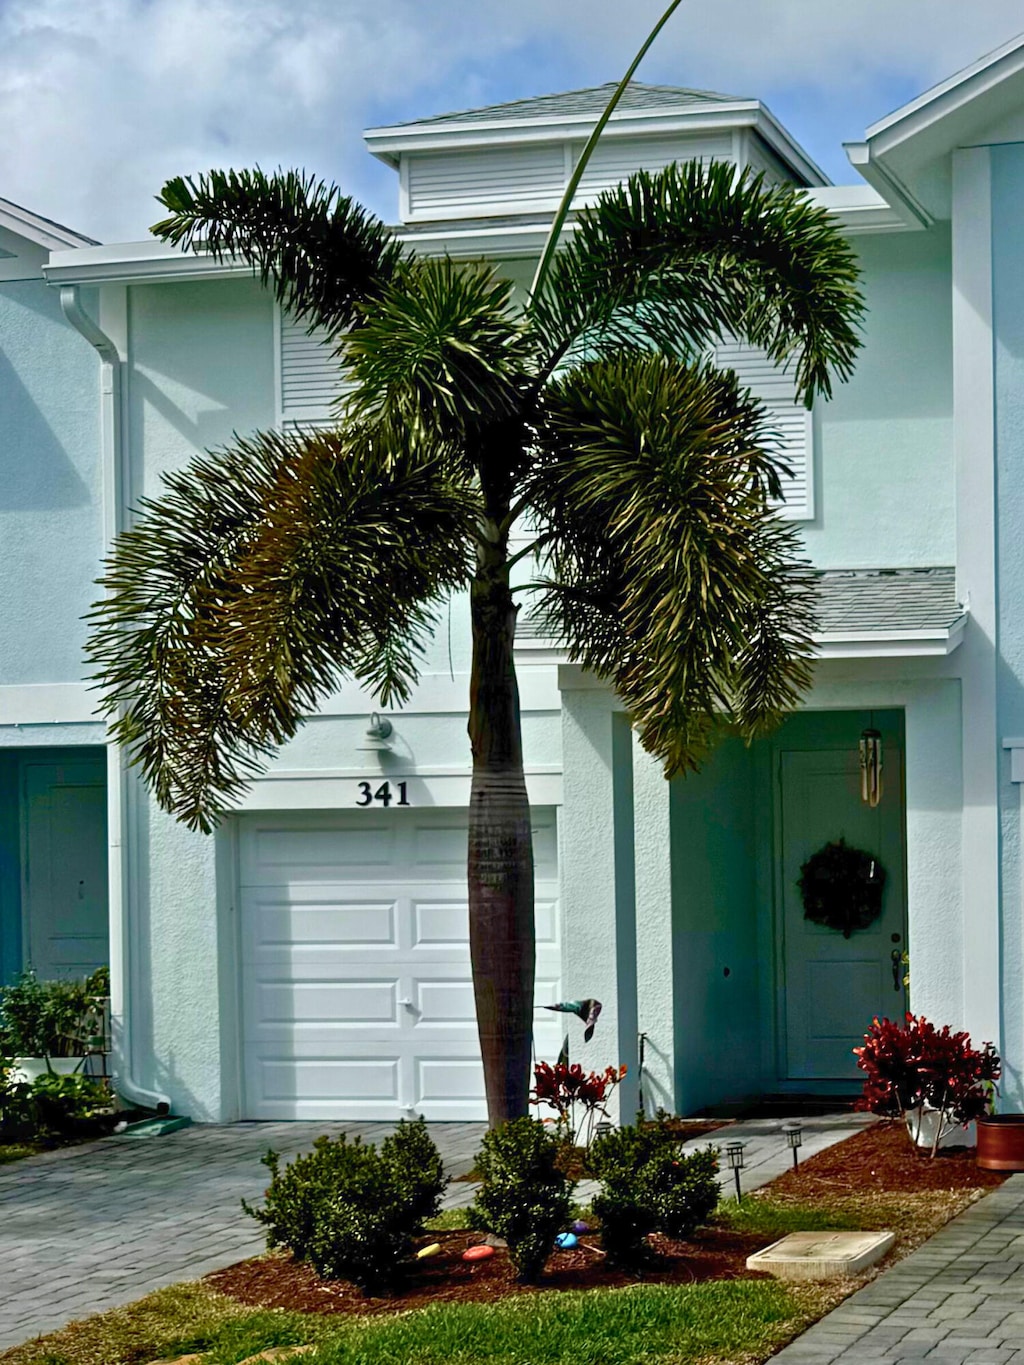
<point x="922" y="1123"/>
<point x="26" y="1069"/>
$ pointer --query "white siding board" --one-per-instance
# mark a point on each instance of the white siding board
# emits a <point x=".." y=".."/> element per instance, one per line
<point x="791" y="423"/>
<point x="453" y="184"/>
<point x="617" y="159"/>
<point x="310" y="374"/>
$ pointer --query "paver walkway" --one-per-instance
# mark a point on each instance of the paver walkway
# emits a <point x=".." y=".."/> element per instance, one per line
<point x="958" y="1299"/>
<point x="91" y="1227"/>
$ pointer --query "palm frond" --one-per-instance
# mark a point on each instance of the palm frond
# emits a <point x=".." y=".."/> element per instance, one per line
<point x="318" y="250"/>
<point x="669" y="575"/>
<point x="439" y="354"/>
<point x="266" y="573"/>
<point x="674" y="260"/>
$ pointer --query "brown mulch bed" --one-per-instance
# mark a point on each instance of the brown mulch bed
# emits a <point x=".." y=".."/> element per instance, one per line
<point x="881" y="1159"/>
<point x="875" y="1177"/>
<point x="278" y="1281"/>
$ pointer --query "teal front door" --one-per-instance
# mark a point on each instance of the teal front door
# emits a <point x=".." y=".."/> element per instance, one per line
<point x="831" y="987"/>
<point x="64" y="876"/>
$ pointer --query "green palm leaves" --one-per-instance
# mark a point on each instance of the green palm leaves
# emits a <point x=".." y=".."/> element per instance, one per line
<point x="269" y="571"/>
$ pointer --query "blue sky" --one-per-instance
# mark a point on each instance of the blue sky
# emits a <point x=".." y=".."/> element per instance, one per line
<point x="101" y="100"/>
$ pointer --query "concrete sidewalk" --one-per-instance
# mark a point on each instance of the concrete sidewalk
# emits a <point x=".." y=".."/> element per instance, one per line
<point x="958" y="1299"/>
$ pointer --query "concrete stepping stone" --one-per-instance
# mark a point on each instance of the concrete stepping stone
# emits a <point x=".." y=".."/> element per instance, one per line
<point x="821" y="1255"/>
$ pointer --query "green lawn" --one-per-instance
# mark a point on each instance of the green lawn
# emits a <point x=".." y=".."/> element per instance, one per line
<point x="731" y="1321"/>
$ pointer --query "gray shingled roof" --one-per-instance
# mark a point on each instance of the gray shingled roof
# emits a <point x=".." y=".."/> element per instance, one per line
<point x="866" y="601"/>
<point x="584" y="102"/>
<point x="852" y="601"/>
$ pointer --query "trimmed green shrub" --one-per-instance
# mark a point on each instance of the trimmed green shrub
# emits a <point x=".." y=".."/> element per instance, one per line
<point x="649" y="1185"/>
<point x="523" y="1196"/>
<point x="64" y="1103"/>
<point x="352" y="1210"/>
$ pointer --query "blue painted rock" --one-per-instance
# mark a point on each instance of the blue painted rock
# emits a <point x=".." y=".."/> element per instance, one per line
<point x="431" y="1250"/>
<point x="579" y="1227"/>
<point x="478" y="1253"/>
<point x="565" y="1241"/>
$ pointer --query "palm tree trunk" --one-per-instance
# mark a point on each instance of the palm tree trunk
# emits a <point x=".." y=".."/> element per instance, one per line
<point x="501" y="927"/>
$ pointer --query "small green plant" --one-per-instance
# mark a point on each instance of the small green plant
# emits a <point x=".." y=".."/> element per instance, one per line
<point x="64" y="1102"/>
<point x="351" y="1209"/>
<point x="649" y="1185"/>
<point x="51" y="1018"/>
<point x="523" y="1196"/>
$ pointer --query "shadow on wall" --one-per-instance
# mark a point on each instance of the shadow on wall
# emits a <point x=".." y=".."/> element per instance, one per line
<point x="35" y="471"/>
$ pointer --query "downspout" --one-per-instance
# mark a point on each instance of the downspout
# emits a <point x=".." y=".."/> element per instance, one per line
<point x="112" y="454"/>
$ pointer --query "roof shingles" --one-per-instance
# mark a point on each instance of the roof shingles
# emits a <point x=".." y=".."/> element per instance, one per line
<point x="584" y="103"/>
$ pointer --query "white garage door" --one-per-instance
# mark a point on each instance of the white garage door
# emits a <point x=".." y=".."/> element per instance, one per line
<point x="357" y="996"/>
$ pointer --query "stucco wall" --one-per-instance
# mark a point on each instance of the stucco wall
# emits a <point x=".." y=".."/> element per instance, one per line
<point x="1008" y="323"/>
<point x="884" y="443"/>
<point x="50" y="477"/>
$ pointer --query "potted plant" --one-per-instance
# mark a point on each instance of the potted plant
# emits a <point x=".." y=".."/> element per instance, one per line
<point x="933" y="1079"/>
<point x="52" y="1027"/>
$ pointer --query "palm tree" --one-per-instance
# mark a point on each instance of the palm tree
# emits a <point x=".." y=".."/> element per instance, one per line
<point x="593" y="420"/>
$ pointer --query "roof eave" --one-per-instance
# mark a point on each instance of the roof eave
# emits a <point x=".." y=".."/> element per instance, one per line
<point x="52" y="236"/>
<point x="388" y="144"/>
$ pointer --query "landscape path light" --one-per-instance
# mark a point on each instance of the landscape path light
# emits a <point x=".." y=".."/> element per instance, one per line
<point x="734" y="1156"/>
<point x="794" y="1139"/>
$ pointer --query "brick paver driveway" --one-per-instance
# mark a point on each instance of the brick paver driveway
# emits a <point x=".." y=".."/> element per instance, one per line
<point x="91" y="1227"/>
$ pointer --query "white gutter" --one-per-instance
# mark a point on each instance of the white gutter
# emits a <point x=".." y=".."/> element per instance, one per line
<point x="112" y="455"/>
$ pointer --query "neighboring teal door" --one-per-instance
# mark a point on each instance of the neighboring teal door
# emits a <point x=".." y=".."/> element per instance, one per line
<point x="64" y="877"/>
<point x="830" y="987"/>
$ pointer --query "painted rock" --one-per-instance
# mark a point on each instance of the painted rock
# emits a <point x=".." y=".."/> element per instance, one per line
<point x="579" y="1227"/>
<point x="565" y="1241"/>
<point x="477" y="1253"/>
<point x="425" y="1252"/>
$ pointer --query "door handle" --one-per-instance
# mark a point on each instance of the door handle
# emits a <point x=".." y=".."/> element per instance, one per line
<point x="897" y="969"/>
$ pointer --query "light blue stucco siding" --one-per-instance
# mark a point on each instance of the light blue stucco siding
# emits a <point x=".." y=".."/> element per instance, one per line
<point x="201" y="369"/>
<point x="1008" y="324"/>
<point x="50" y="487"/>
<point x="884" y="443"/>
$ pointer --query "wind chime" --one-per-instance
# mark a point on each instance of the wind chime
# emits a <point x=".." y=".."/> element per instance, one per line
<point x="871" y="767"/>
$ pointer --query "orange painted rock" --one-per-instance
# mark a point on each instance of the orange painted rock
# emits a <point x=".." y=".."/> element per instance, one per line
<point x="425" y="1252"/>
<point x="478" y="1253"/>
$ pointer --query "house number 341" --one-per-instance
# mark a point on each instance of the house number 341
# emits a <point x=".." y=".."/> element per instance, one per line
<point x="384" y="795"/>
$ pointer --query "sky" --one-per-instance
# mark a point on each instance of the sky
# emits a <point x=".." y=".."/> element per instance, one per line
<point x="103" y="100"/>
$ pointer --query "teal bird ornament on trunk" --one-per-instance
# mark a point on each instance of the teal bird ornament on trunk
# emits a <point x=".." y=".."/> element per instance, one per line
<point x="587" y="1010"/>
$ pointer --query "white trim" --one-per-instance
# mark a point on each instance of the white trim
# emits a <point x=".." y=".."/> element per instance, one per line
<point x="150" y="260"/>
<point x="278" y="375"/>
<point x="1016" y="748"/>
<point x="875" y="644"/>
<point x="47" y="704"/>
<point x="32" y="228"/>
<point x="338" y="790"/>
<point x="974" y="453"/>
<point x="953" y="93"/>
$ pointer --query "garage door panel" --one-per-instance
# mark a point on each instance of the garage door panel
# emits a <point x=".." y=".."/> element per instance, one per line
<point x="332" y="923"/>
<point x="332" y="948"/>
<point x="281" y="857"/>
<point x="301" y="1004"/>
<point x="442" y="1083"/>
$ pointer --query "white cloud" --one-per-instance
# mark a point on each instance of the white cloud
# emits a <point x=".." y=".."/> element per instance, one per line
<point x="101" y="100"/>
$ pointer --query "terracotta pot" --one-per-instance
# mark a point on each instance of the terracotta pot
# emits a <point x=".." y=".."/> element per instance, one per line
<point x="1001" y="1142"/>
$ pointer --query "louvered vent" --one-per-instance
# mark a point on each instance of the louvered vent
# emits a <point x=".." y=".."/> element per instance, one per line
<point x="617" y="159"/>
<point x="310" y="375"/>
<point x="467" y="184"/>
<point x="790" y="421"/>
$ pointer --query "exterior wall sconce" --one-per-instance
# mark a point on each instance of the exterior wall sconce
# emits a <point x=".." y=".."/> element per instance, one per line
<point x="871" y="767"/>
<point x="378" y="736"/>
<point x="794" y="1133"/>
<point x="734" y="1156"/>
